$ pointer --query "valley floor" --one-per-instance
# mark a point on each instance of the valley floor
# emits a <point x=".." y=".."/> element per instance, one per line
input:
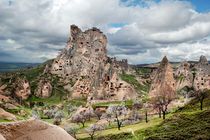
<point x="126" y="129"/>
<point x="186" y="123"/>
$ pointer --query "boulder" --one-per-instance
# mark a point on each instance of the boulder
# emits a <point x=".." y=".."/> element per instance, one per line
<point x="6" y="115"/>
<point x="33" y="130"/>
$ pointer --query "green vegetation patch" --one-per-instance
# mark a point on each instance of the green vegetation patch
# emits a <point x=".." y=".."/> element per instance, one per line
<point x="143" y="70"/>
<point x="132" y="80"/>
<point x="127" y="103"/>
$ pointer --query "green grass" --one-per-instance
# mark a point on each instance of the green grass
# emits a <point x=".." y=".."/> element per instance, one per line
<point x="142" y="70"/>
<point x="2" y="121"/>
<point x="182" y="126"/>
<point x="55" y="99"/>
<point x="132" y="80"/>
<point x="188" y="122"/>
<point x="78" y="102"/>
<point x="127" y="103"/>
<point x="124" y="130"/>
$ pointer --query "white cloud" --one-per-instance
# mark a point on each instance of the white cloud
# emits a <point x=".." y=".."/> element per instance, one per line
<point x="196" y="31"/>
<point x="39" y="29"/>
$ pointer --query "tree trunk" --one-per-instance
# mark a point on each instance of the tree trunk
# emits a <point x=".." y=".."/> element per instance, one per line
<point x="99" y="117"/>
<point x="201" y="104"/>
<point x="159" y="112"/>
<point x="146" y="118"/>
<point x="118" y="124"/>
<point x="83" y="124"/>
<point x="164" y="115"/>
<point x="91" y="137"/>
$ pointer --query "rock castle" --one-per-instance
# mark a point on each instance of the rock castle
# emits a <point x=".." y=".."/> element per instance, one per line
<point x="85" y="63"/>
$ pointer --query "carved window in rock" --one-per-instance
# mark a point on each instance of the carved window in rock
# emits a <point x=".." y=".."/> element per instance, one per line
<point x="107" y="78"/>
<point x="111" y="84"/>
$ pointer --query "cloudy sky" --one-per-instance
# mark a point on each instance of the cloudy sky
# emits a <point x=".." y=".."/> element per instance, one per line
<point x="143" y="31"/>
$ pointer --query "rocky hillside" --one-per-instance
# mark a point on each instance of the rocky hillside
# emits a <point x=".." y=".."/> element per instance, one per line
<point x="87" y="71"/>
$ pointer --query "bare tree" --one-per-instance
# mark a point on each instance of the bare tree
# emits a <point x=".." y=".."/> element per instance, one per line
<point x="72" y="130"/>
<point x="118" y="113"/>
<point x="163" y="98"/>
<point x="99" y="112"/>
<point x="201" y="95"/>
<point x="107" y="116"/>
<point x="79" y="118"/>
<point x="83" y="116"/>
<point x="93" y="128"/>
<point x="89" y="112"/>
<point x="58" y="117"/>
<point x="71" y="108"/>
<point x="146" y="106"/>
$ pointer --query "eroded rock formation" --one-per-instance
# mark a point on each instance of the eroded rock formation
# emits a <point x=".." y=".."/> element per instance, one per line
<point x="85" y="63"/>
<point x="33" y="130"/>
<point x="44" y="89"/>
<point x="22" y="88"/>
<point x="202" y="74"/>
<point x="184" y="76"/>
<point x="163" y="76"/>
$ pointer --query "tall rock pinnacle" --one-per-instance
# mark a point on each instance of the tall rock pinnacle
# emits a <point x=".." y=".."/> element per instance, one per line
<point x="85" y="63"/>
<point x="163" y="75"/>
<point x="203" y="60"/>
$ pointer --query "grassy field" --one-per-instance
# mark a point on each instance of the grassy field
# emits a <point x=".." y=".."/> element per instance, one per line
<point x="188" y="122"/>
<point x="127" y="103"/>
<point x="126" y="129"/>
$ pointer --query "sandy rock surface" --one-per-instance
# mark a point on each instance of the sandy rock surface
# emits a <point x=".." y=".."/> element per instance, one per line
<point x="32" y="130"/>
<point x="6" y="115"/>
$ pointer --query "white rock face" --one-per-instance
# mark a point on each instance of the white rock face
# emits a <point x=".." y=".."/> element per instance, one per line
<point x="184" y="76"/>
<point x="6" y="115"/>
<point x="33" y="130"/>
<point x="202" y="74"/>
<point x="44" y="89"/>
<point x="163" y="75"/>
<point x="85" y="63"/>
<point x="22" y="88"/>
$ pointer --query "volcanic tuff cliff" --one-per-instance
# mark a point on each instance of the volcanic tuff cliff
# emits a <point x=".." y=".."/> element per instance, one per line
<point x="163" y="75"/>
<point x="202" y="74"/>
<point x="88" y="71"/>
<point x="184" y="76"/>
